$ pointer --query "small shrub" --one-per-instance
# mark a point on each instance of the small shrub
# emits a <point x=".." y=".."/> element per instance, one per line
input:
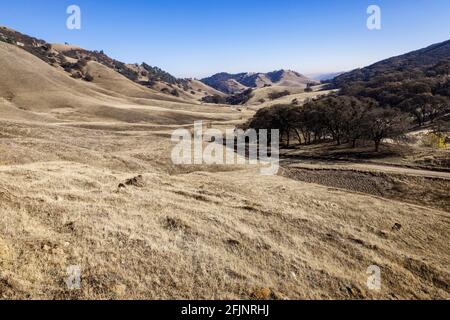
<point x="175" y="224"/>
<point x="76" y="75"/>
<point x="88" y="78"/>
<point x="67" y="66"/>
<point x="81" y="63"/>
<point x="175" y="93"/>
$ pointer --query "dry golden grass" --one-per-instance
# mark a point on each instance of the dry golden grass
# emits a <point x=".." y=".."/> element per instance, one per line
<point x="197" y="232"/>
<point x="110" y="80"/>
<point x="261" y="98"/>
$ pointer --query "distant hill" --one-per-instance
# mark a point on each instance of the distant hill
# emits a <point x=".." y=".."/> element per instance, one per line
<point x="225" y="83"/>
<point x="416" y="84"/>
<point x="234" y="83"/>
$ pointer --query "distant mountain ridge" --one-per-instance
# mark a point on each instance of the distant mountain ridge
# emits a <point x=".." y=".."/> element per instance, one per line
<point x="234" y="83"/>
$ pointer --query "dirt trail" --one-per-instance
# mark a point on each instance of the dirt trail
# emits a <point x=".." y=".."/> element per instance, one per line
<point x="366" y="167"/>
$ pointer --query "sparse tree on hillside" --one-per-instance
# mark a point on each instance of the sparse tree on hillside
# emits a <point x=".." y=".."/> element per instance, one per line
<point x="309" y="87"/>
<point x="385" y="123"/>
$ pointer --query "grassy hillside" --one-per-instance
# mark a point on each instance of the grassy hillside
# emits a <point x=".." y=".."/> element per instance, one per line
<point x="73" y="60"/>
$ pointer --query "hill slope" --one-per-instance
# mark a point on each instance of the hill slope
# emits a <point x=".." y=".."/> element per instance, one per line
<point x="32" y="89"/>
<point x="419" y="60"/>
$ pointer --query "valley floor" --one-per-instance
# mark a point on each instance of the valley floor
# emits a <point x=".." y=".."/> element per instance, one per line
<point x="207" y="232"/>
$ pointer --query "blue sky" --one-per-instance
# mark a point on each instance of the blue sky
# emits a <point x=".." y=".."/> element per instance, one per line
<point x="196" y="38"/>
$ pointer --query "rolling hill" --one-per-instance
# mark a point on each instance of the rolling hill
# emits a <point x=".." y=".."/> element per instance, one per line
<point x="73" y="60"/>
<point x="234" y="83"/>
<point x="32" y="89"/>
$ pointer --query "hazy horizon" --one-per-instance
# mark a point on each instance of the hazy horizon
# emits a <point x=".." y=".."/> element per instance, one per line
<point x="200" y="38"/>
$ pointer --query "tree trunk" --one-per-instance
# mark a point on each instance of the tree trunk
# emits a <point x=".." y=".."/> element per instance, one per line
<point x="298" y="136"/>
<point x="288" y="136"/>
<point x="377" y="145"/>
<point x="354" y="143"/>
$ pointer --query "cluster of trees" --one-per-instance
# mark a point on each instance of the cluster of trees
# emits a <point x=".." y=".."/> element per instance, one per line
<point x="424" y="98"/>
<point x="342" y="119"/>
<point x="235" y="99"/>
<point x="36" y="47"/>
<point x="153" y="73"/>
<point x="381" y="101"/>
<point x="278" y="94"/>
<point x="78" y="69"/>
<point x="79" y="65"/>
<point x="102" y="58"/>
<point x="216" y="99"/>
<point x="174" y="92"/>
<point x="157" y="74"/>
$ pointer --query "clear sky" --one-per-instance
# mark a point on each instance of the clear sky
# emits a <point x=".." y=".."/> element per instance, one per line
<point x="196" y="38"/>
